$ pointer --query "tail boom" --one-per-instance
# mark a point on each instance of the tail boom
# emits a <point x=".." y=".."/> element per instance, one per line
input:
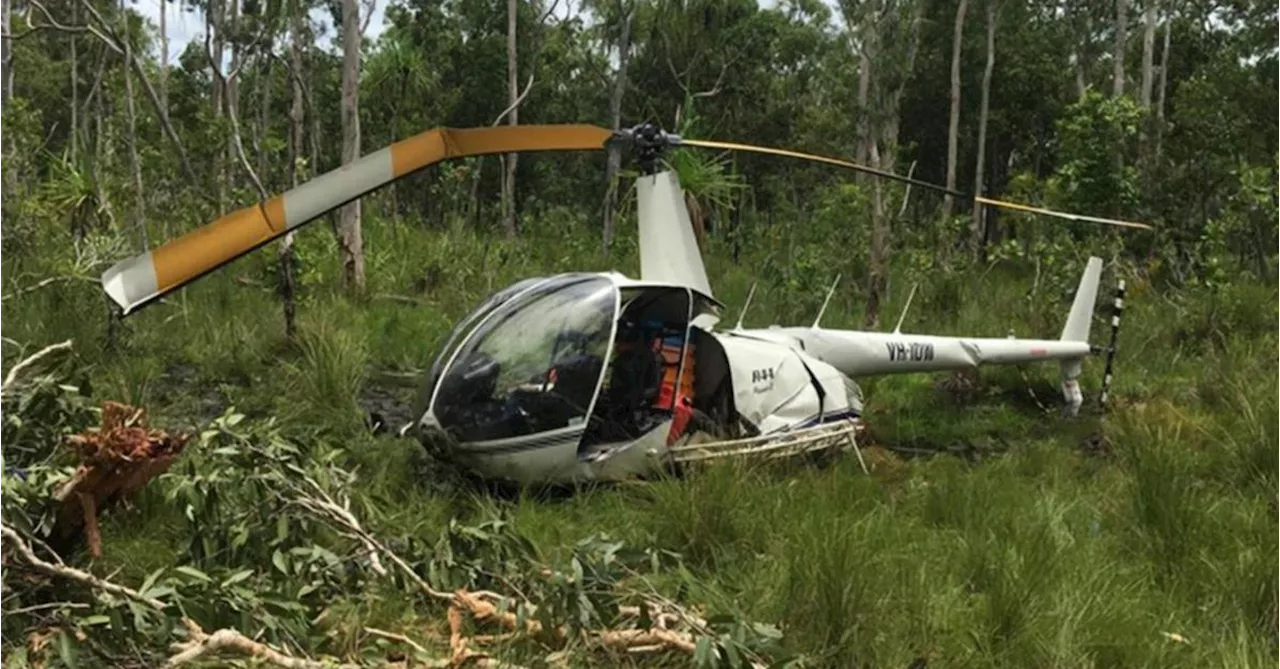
<point x="858" y="353"/>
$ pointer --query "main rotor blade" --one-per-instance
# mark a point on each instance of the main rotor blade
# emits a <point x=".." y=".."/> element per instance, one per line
<point x="138" y="281"/>
<point x="821" y="159"/>
<point x="915" y="182"/>
<point x="1061" y="214"/>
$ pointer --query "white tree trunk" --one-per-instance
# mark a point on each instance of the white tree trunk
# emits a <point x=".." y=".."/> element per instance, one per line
<point x="978" y="227"/>
<point x="131" y="138"/>
<point x="1122" y="39"/>
<point x="865" y="139"/>
<point x="233" y="92"/>
<point x="1148" y="51"/>
<point x="284" y="272"/>
<point x="350" y="241"/>
<point x="953" y="129"/>
<point x="513" y="95"/>
<point x="164" y="57"/>
<point x="6" y="57"/>
<point x="614" y="164"/>
<point x="1164" y="80"/>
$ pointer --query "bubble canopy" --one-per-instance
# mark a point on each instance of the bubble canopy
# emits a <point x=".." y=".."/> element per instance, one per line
<point x="531" y="359"/>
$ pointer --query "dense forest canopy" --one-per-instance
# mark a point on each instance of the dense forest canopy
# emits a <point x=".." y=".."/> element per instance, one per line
<point x="1157" y="111"/>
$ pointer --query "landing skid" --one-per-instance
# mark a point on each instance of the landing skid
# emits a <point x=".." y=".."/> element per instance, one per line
<point x="838" y="436"/>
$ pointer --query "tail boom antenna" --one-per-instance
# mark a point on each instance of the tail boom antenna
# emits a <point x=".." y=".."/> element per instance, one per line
<point x="750" y="294"/>
<point x="897" y="329"/>
<point x="827" y="300"/>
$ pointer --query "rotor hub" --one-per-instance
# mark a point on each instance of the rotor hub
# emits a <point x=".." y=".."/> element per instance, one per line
<point x="648" y="141"/>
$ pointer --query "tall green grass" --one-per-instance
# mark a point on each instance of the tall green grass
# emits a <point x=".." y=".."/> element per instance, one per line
<point x="1040" y="553"/>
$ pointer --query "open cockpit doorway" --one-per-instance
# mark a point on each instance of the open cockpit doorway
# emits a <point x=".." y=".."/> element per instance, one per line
<point x="665" y="376"/>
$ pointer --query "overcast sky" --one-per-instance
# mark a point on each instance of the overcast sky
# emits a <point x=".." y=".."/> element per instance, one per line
<point x="185" y="27"/>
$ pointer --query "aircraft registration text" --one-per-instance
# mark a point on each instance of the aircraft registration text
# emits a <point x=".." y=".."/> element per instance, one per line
<point x="900" y="352"/>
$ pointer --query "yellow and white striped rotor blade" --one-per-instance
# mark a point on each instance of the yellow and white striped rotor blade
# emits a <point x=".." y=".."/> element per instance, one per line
<point x="141" y="279"/>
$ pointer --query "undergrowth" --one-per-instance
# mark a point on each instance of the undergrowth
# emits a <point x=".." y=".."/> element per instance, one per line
<point x="1154" y="546"/>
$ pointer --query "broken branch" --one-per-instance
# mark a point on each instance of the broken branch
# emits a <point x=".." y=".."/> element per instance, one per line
<point x="12" y="376"/>
<point x="73" y="574"/>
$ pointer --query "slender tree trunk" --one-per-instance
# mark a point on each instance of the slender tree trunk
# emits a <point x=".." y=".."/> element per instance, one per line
<point x="1164" y="79"/>
<point x="864" y="139"/>
<point x="101" y="126"/>
<point x="95" y="111"/>
<point x="11" y="177"/>
<point x="164" y="57"/>
<point x="131" y="139"/>
<point x="214" y="21"/>
<point x="233" y="91"/>
<point x="350" y="242"/>
<point x="1148" y="51"/>
<point x="285" y="258"/>
<point x="978" y="227"/>
<point x="75" y="85"/>
<point x="263" y="130"/>
<point x="1083" y="52"/>
<point x="878" y="262"/>
<point x="1122" y="39"/>
<point x="6" y="57"/>
<point x="513" y="93"/>
<point x="614" y="164"/>
<point x="953" y="129"/>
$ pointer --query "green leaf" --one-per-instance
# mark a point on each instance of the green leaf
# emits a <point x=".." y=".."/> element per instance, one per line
<point x="278" y="559"/>
<point x="150" y="580"/>
<point x="731" y="649"/>
<point x="237" y="577"/>
<point x="194" y="573"/>
<point x="67" y="651"/>
<point x="702" y="652"/>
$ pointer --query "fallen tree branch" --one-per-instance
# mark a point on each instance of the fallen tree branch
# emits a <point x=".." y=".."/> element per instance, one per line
<point x="325" y="506"/>
<point x="46" y="282"/>
<point x="201" y="643"/>
<point x="12" y="376"/>
<point x="73" y="574"/>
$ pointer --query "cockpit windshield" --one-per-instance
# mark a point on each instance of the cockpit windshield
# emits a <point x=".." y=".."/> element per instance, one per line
<point x="464" y="326"/>
<point x="533" y="364"/>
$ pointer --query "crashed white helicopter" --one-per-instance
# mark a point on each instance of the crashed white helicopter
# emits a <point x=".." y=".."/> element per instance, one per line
<point x="597" y="376"/>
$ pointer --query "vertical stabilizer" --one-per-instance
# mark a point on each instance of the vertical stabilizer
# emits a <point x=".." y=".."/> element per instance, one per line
<point x="1081" y="317"/>
<point x="668" y="250"/>
<point x="1079" y="322"/>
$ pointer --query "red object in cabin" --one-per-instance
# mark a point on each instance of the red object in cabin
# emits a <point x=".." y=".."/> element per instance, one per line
<point x="683" y="412"/>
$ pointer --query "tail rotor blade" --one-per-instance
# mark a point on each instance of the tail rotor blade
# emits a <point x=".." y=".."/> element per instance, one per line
<point x="138" y="281"/>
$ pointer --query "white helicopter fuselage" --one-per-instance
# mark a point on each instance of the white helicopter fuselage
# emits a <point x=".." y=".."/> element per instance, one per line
<point x="760" y="383"/>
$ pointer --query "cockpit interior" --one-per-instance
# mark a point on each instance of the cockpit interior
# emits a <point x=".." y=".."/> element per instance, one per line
<point x="547" y="355"/>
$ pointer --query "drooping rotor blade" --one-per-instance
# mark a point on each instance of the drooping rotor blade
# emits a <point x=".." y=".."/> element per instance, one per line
<point x="141" y="279"/>
<point x="1061" y="214"/>
<point x="682" y="141"/>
